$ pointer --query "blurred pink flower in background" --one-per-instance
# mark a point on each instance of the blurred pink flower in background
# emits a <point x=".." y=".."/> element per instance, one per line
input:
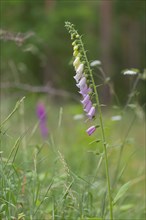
<point x="41" y="113"/>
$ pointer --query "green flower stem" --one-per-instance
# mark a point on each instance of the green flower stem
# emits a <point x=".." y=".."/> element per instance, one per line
<point x="102" y="131"/>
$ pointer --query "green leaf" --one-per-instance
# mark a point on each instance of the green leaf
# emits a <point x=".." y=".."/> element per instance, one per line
<point x="95" y="141"/>
<point x="126" y="207"/>
<point x="122" y="191"/>
<point x="132" y="106"/>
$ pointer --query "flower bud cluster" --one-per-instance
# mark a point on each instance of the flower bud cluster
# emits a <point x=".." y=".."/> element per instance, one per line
<point x="81" y="77"/>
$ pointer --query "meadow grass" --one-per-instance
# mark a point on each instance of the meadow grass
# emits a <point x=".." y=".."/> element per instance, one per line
<point x="63" y="177"/>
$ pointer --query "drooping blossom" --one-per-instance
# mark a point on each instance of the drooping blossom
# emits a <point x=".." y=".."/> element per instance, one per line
<point x="85" y="100"/>
<point x="41" y="113"/>
<point x="91" y="130"/>
<point x="82" y="83"/>
<point x="85" y="91"/>
<point x="80" y="68"/>
<point x="88" y="106"/>
<point x="91" y="112"/>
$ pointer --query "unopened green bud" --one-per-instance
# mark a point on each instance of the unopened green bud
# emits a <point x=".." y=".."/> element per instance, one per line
<point x="73" y="36"/>
<point x="75" y="53"/>
<point x="79" y="55"/>
<point x="75" y="47"/>
<point x="73" y="43"/>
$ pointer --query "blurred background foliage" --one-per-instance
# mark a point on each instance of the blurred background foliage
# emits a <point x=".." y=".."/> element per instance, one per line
<point x="41" y="52"/>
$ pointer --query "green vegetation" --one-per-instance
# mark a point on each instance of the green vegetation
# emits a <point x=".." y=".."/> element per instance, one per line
<point x="63" y="177"/>
<point x="117" y="40"/>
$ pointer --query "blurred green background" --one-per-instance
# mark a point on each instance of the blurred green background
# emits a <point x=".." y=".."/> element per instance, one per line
<point x="36" y="48"/>
<point x="36" y="62"/>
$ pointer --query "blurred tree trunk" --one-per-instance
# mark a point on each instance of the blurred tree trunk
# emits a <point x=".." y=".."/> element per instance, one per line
<point x="130" y="42"/>
<point x="130" y="49"/>
<point x="49" y="70"/>
<point x="49" y="4"/>
<point x="106" y="40"/>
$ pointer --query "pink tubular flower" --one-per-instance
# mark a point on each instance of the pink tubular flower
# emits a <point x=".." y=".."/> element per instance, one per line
<point x="91" y="130"/>
<point x="88" y="106"/>
<point x="82" y="83"/>
<point x="85" y="100"/>
<point x="84" y="91"/>
<point x="91" y="113"/>
<point x="80" y="68"/>
<point x="77" y="77"/>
